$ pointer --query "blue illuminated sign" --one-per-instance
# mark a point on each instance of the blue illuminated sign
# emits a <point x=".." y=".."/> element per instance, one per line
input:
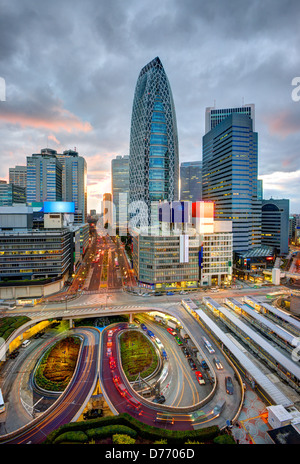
<point x="59" y="207"/>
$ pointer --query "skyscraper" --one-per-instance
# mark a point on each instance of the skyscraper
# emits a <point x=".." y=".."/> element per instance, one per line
<point x="275" y="224"/>
<point x="153" y="159"/>
<point x="52" y="176"/>
<point x="18" y="176"/>
<point x="44" y="177"/>
<point x="120" y="189"/>
<point x="74" y="182"/>
<point x="191" y="181"/>
<point x="213" y="116"/>
<point x="229" y="178"/>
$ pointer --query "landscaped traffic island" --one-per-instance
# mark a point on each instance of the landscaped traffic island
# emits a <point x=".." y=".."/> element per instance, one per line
<point x="138" y="355"/>
<point x="57" y="366"/>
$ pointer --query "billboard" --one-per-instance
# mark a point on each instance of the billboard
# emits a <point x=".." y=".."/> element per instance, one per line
<point x="59" y="207"/>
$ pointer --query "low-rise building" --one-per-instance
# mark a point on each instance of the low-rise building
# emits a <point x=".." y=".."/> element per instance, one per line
<point x="179" y="254"/>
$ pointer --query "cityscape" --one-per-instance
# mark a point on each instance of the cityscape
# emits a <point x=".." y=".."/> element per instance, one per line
<point x="149" y="291"/>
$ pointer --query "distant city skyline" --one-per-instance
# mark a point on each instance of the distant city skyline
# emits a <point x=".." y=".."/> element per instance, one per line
<point x="74" y="87"/>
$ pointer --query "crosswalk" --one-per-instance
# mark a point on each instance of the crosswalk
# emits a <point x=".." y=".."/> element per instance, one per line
<point x="89" y="307"/>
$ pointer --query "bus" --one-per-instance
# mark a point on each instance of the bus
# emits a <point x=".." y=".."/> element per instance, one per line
<point x="134" y="405"/>
<point x="2" y="405"/>
<point x="208" y="346"/>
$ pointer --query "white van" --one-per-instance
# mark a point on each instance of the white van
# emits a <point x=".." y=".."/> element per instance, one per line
<point x="26" y="343"/>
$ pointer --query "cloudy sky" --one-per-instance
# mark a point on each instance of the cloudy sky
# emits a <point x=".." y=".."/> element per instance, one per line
<point x="71" y="67"/>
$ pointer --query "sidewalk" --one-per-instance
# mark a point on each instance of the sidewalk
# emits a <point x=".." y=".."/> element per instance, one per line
<point x="252" y="425"/>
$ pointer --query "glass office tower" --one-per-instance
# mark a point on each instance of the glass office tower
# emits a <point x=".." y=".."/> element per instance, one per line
<point x="74" y="182"/>
<point x="191" y="181"/>
<point x="153" y="158"/>
<point x="120" y="190"/>
<point x="44" y="177"/>
<point x="229" y="178"/>
<point x="213" y="116"/>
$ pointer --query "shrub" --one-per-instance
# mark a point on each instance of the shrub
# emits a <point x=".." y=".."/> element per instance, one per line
<point x="144" y="431"/>
<point x="73" y="437"/>
<point x="224" y="440"/>
<point x="120" y="439"/>
<point x="109" y="430"/>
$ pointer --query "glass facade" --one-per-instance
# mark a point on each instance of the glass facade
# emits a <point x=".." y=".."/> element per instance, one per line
<point x="120" y="188"/>
<point x="28" y="254"/>
<point x="10" y="193"/>
<point x="154" y="159"/>
<point x="214" y="116"/>
<point x="275" y="224"/>
<point x="44" y="177"/>
<point x="191" y="181"/>
<point x="229" y="178"/>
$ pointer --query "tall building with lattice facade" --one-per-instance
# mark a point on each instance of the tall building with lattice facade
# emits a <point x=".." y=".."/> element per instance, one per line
<point x="154" y="158"/>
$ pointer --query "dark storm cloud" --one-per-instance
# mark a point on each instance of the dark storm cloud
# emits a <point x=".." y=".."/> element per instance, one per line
<point x="71" y="69"/>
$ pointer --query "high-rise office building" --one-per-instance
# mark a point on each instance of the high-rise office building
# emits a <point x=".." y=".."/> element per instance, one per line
<point x="11" y="193"/>
<point x="191" y="181"/>
<point x="275" y="224"/>
<point x="260" y="191"/>
<point x="153" y="158"/>
<point x="213" y="115"/>
<point x="120" y="190"/>
<point x="44" y="177"/>
<point x="18" y="176"/>
<point x="74" y="182"/>
<point x="108" y="211"/>
<point x="229" y="178"/>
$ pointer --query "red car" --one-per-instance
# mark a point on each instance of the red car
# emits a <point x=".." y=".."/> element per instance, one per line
<point x="199" y="377"/>
<point x="171" y="331"/>
<point x="112" y="362"/>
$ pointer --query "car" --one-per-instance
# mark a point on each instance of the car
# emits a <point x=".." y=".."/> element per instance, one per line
<point x="110" y="332"/>
<point x="158" y="294"/>
<point x="185" y="352"/>
<point x="171" y="331"/>
<point x="204" y="364"/>
<point x="229" y="385"/>
<point x="144" y="327"/>
<point x="218" y="363"/>
<point x="192" y="364"/>
<point x="170" y="293"/>
<point x="159" y="343"/>
<point x="199" y="377"/>
<point x="164" y="418"/>
<point x="109" y="352"/>
<point x="14" y="354"/>
<point x="112" y="362"/>
<point x="164" y="355"/>
<point x="159" y="399"/>
<point x="109" y="342"/>
<point x="92" y="414"/>
<point x="178" y="340"/>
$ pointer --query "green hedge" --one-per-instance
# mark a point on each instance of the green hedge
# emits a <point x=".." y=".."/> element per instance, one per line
<point x="224" y="440"/>
<point x="144" y="431"/>
<point x="109" y="430"/>
<point x="73" y="437"/>
<point x="9" y="324"/>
